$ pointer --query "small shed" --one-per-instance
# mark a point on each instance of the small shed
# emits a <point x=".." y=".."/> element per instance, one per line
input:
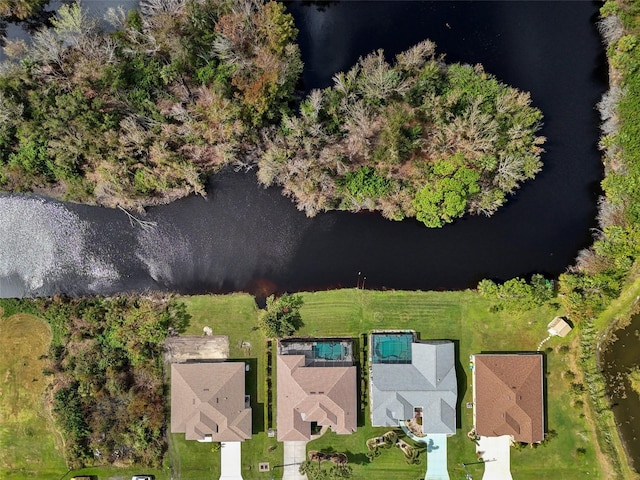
<point x="558" y="327"/>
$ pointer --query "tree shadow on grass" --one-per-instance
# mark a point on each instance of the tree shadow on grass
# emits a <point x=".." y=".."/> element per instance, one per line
<point x="358" y="458"/>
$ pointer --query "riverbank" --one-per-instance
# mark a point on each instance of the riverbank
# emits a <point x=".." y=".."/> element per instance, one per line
<point x="602" y="288"/>
<point x="612" y="320"/>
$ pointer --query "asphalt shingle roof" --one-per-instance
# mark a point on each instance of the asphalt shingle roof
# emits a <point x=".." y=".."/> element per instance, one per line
<point x="208" y="399"/>
<point x="429" y="382"/>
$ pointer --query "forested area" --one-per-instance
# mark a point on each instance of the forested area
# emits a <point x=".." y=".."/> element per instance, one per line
<point x="20" y="9"/>
<point x="177" y="90"/>
<point x="602" y="269"/>
<point x="108" y="391"/>
<point x="418" y="138"/>
<point x="137" y="116"/>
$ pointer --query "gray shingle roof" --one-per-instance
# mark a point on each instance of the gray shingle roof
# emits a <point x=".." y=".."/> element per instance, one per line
<point x="428" y="382"/>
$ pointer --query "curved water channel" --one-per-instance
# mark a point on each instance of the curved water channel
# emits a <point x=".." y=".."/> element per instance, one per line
<point x="242" y="237"/>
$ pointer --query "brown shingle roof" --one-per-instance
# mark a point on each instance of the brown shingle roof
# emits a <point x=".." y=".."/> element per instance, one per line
<point x="326" y="395"/>
<point x="508" y="396"/>
<point x="208" y="399"/>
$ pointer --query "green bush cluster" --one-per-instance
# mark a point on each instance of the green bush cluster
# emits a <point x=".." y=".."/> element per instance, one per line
<point x="517" y="295"/>
<point x="109" y="391"/>
<point x="281" y="317"/>
<point x="138" y="116"/>
<point x="416" y="138"/>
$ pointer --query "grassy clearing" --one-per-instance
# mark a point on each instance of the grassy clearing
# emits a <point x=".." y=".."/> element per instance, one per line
<point x="236" y="316"/>
<point x="27" y="444"/>
<point x="460" y="316"/>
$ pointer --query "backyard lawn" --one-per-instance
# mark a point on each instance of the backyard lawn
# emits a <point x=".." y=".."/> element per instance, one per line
<point x="236" y="316"/>
<point x="28" y="444"/>
<point x="460" y="316"/>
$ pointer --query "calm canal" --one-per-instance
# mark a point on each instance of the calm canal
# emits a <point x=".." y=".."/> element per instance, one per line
<point x="243" y="237"/>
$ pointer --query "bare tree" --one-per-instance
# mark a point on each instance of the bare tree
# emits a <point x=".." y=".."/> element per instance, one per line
<point x="150" y="8"/>
<point x="415" y="58"/>
<point x="611" y="29"/>
<point x="146" y="225"/>
<point x="46" y="48"/>
<point x="377" y="79"/>
<point x="116" y="17"/>
<point x="608" y="108"/>
<point x="509" y="172"/>
<point x="609" y="213"/>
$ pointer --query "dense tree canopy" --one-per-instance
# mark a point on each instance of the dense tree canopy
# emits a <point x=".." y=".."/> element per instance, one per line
<point x="137" y="116"/>
<point x="108" y="388"/>
<point x="417" y="138"/>
<point x="181" y="88"/>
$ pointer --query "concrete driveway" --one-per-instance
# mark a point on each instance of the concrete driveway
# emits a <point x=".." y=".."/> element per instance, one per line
<point x="230" y="461"/>
<point x="294" y="454"/>
<point x="436" y="457"/>
<point x="496" y="453"/>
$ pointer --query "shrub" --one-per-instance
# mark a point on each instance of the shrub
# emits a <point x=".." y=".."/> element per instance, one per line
<point x="281" y="318"/>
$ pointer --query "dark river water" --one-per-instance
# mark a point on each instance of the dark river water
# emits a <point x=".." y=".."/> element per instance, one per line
<point x="616" y="361"/>
<point x="243" y="237"/>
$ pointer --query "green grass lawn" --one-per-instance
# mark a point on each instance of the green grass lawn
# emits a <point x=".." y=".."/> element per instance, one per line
<point x="28" y="444"/>
<point x="236" y="316"/>
<point x="460" y="316"/>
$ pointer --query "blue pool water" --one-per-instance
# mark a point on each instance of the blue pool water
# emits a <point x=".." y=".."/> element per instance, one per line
<point x="391" y="347"/>
<point x="329" y="351"/>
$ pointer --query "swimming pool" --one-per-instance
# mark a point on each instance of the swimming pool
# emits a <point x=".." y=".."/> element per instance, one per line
<point x="330" y="351"/>
<point x="391" y="347"/>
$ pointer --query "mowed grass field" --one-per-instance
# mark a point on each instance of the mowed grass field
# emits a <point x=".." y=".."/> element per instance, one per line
<point x="463" y="317"/>
<point x="27" y="445"/>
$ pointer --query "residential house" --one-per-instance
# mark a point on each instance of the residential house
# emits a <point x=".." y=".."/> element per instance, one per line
<point x="508" y="396"/>
<point x="208" y="402"/>
<point x="316" y="386"/>
<point x="413" y="380"/>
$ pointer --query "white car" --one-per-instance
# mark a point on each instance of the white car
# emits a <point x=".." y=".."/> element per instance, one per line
<point x="142" y="477"/>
